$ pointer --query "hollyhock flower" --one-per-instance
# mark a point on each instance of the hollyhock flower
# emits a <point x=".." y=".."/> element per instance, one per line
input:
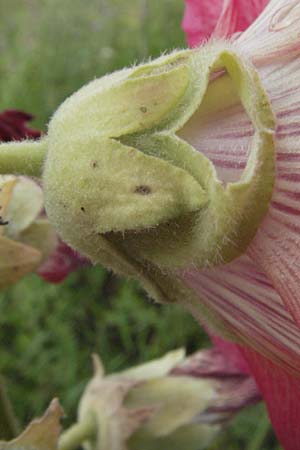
<point x="184" y="172"/>
<point x="173" y="402"/>
<point x="274" y="254"/>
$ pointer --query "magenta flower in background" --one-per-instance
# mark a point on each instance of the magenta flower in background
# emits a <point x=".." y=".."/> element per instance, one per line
<point x="61" y="263"/>
<point x="221" y="18"/>
<point x="258" y="294"/>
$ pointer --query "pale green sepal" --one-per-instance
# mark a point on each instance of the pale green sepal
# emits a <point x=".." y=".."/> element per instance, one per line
<point x="128" y="106"/>
<point x="190" y="437"/>
<point x="155" y="368"/>
<point x="117" y="188"/>
<point x="192" y="396"/>
<point x="23" y="158"/>
<point x="223" y="229"/>
<point x="162" y="64"/>
<point x="171" y="244"/>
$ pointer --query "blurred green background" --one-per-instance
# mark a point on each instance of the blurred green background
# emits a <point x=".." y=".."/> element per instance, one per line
<point x="50" y="48"/>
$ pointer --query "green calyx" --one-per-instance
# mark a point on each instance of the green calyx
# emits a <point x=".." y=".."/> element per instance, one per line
<point x="118" y="176"/>
<point x="123" y="187"/>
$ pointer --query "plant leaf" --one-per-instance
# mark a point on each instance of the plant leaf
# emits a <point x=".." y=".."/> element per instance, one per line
<point x="41" y="434"/>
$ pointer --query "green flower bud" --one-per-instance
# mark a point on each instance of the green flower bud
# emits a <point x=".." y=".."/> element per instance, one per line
<point x="118" y="175"/>
<point x="163" y="404"/>
<point x="125" y="188"/>
<point x="147" y="408"/>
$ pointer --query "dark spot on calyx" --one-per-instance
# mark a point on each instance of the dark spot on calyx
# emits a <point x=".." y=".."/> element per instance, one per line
<point x="143" y="109"/>
<point x="143" y="190"/>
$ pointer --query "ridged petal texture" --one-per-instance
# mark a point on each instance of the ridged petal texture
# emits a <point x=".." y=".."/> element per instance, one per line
<point x="258" y="294"/>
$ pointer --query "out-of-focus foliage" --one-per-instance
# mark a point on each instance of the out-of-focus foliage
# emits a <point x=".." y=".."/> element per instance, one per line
<point x="48" y="333"/>
<point x="49" y="48"/>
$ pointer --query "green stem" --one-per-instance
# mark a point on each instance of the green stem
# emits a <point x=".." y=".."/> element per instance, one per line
<point x="24" y="157"/>
<point x="260" y="435"/>
<point x="9" y="428"/>
<point x="78" y="433"/>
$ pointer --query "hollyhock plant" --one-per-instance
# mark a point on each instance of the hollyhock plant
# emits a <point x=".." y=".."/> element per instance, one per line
<point x="184" y="172"/>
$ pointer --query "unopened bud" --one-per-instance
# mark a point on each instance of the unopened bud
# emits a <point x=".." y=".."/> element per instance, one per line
<point x="161" y="405"/>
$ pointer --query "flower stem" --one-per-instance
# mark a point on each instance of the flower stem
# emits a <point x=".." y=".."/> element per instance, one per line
<point x="260" y="435"/>
<point x="24" y="158"/>
<point x="8" y="423"/>
<point x="78" y="433"/>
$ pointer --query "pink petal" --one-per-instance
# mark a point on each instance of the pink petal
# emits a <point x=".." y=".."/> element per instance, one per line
<point x="225" y="138"/>
<point x="281" y="392"/>
<point x="236" y="389"/>
<point x="251" y="310"/>
<point x="257" y="296"/>
<point x="200" y="18"/>
<point x="61" y="263"/>
<point x="224" y="360"/>
<point x="222" y="18"/>
<point x="274" y="37"/>
<point x="232" y="353"/>
<point x="276" y="247"/>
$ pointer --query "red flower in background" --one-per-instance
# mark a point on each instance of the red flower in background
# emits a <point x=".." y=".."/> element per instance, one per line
<point x="13" y="126"/>
<point x="64" y="260"/>
<point x="61" y="263"/>
<point x="275" y="254"/>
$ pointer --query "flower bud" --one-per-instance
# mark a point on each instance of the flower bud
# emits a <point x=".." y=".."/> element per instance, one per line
<point x="118" y="179"/>
<point x="125" y="188"/>
<point x="161" y="404"/>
